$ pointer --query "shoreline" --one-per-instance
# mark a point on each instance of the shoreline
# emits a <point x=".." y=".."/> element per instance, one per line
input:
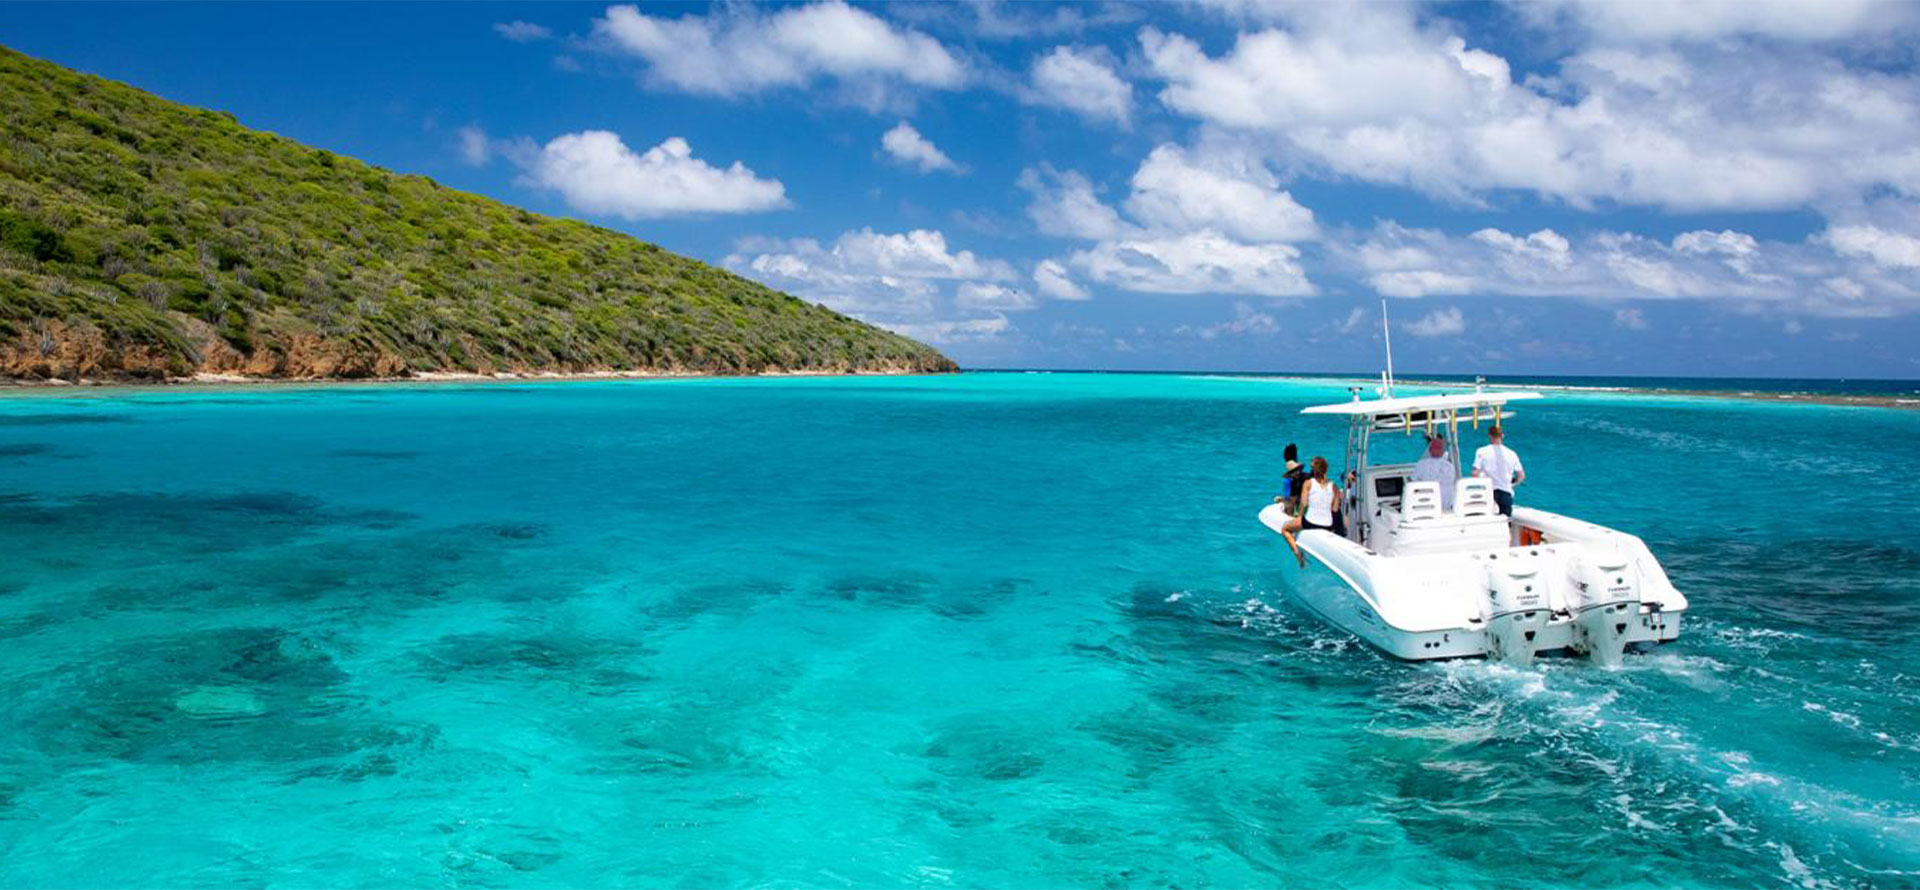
<point x="242" y="380"/>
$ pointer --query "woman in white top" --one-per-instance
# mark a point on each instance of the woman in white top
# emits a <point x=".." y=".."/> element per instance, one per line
<point x="1319" y="501"/>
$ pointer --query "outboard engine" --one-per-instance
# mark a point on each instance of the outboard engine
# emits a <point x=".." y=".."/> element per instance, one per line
<point x="1605" y="601"/>
<point x="1516" y="609"/>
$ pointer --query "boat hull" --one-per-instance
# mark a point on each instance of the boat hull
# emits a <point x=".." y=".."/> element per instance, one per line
<point x="1343" y="608"/>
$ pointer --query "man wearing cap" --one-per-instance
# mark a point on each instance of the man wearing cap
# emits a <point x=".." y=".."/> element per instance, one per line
<point x="1436" y="466"/>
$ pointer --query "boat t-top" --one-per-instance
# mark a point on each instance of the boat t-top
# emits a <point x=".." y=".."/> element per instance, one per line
<point x="1422" y="581"/>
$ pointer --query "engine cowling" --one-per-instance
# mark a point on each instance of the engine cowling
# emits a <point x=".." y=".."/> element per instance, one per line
<point x="1515" y="610"/>
<point x="1605" y="600"/>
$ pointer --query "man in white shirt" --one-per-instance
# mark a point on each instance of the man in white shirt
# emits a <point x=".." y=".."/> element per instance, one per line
<point x="1498" y="462"/>
<point x="1435" y="466"/>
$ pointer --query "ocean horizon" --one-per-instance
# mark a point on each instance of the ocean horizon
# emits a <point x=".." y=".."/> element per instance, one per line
<point x="1841" y="386"/>
<point x="984" y="629"/>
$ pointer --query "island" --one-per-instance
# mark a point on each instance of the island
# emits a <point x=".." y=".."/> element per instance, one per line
<point x="145" y="240"/>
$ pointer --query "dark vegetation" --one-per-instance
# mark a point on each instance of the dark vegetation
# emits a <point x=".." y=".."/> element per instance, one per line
<point x="140" y="238"/>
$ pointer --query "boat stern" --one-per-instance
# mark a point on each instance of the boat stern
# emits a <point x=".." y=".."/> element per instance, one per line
<point x="1600" y="596"/>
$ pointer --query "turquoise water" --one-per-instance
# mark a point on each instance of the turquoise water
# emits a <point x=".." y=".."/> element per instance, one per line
<point x="979" y="630"/>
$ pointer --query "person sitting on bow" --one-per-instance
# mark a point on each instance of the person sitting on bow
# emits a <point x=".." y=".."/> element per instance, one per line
<point x="1319" y="508"/>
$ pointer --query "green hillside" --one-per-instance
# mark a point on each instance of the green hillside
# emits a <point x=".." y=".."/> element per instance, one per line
<point x="140" y="238"/>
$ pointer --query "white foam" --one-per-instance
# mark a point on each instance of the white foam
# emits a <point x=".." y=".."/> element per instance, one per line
<point x="1797" y="871"/>
<point x="1634" y="819"/>
<point x="1843" y="718"/>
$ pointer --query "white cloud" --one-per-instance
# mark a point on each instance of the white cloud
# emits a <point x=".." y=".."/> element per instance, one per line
<point x="1082" y="82"/>
<point x="1631" y="319"/>
<point x="1703" y="20"/>
<point x="1818" y="276"/>
<point x="894" y="280"/>
<point x="921" y="253"/>
<point x="1728" y="243"/>
<point x="1448" y="322"/>
<point x="1275" y="78"/>
<point x="1890" y="249"/>
<point x="1419" y="283"/>
<point x="906" y="146"/>
<point x="596" y="173"/>
<point x="949" y="332"/>
<point x="1416" y="262"/>
<point x="987" y="295"/>
<point x="891" y="279"/>
<point x="1052" y="279"/>
<point x="823" y="278"/>
<point x="475" y="151"/>
<point x="1372" y="94"/>
<point x="1019" y="20"/>
<point x="1846" y="287"/>
<point x="1064" y="204"/>
<point x="1546" y="247"/>
<point x="1173" y="191"/>
<point x="1212" y="221"/>
<point x="1199" y="262"/>
<point x="522" y="32"/>
<point x="1246" y="321"/>
<point x="740" y="50"/>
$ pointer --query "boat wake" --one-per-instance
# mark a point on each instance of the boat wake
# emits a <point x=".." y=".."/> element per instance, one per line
<point x="1667" y="765"/>
<point x="1658" y="749"/>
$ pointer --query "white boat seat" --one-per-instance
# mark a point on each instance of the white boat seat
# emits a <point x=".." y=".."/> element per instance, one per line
<point x="1446" y="533"/>
<point x="1421" y="502"/>
<point x="1473" y="496"/>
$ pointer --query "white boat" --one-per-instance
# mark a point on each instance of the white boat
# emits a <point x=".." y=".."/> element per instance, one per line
<point x="1421" y="582"/>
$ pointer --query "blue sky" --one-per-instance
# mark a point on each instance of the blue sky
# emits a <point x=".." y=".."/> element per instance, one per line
<point x="1720" y="188"/>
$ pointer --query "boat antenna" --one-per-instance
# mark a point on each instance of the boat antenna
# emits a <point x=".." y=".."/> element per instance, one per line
<point x="1387" y="330"/>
